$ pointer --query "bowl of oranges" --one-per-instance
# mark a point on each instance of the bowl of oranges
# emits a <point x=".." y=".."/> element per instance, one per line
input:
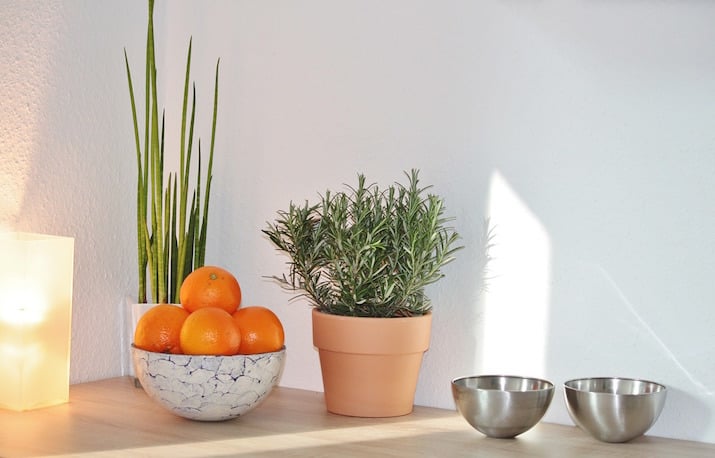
<point x="208" y="358"/>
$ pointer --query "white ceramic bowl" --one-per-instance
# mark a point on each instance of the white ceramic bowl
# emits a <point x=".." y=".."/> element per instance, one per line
<point x="208" y="388"/>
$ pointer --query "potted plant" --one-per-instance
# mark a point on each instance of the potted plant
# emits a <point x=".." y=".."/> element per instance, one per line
<point x="171" y="232"/>
<point x="363" y="257"/>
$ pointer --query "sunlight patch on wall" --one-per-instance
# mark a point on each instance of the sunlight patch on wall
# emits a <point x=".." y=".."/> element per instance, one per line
<point x="516" y="306"/>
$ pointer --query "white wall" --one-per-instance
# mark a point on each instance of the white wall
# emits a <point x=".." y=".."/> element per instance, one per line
<point x="65" y="167"/>
<point x="583" y="129"/>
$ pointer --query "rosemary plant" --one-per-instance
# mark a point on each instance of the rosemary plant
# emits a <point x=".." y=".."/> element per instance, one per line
<point x="365" y="251"/>
<point x="171" y="233"/>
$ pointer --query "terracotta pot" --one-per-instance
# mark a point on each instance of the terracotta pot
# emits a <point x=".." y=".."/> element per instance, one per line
<point x="370" y="365"/>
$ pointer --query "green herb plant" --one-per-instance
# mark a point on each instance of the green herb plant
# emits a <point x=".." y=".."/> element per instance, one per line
<point x="171" y="233"/>
<point x="365" y="251"/>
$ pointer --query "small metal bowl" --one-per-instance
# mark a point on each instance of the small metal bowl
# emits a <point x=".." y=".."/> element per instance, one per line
<point x="614" y="409"/>
<point x="502" y="406"/>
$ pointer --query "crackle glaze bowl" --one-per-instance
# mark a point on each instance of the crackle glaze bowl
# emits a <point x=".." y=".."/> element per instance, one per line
<point x="614" y="409"/>
<point x="208" y="388"/>
<point x="502" y="406"/>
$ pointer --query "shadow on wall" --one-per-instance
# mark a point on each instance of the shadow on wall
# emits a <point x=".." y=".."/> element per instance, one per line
<point x="456" y="344"/>
<point x="690" y="410"/>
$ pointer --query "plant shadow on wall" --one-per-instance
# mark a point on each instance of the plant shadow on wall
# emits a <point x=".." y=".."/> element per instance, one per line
<point x="362" y="258"/>
<point x="171" y="232"/>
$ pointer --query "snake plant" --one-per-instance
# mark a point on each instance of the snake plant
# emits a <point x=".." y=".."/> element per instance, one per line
<point x="171" y="232"/>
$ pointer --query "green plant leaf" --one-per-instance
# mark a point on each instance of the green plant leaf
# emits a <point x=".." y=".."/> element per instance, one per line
<point x="168" y="244"/>
<point x="366" y="251"/>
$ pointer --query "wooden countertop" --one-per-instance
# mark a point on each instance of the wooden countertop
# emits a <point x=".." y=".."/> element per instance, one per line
<point x="113" y="418"/>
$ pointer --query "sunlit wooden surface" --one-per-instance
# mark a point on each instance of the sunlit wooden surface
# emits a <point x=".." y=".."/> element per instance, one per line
<point x="113" y="418"/>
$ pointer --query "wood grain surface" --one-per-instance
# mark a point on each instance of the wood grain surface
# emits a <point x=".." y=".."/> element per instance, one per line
<point x="114" y="418"/>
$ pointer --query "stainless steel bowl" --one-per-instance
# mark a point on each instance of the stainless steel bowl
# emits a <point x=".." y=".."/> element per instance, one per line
<point x="502" y="406"/>
<point x="614" y="409"/>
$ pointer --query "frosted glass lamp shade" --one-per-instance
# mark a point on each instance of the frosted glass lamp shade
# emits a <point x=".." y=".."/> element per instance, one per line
<point x="35" y="319"/>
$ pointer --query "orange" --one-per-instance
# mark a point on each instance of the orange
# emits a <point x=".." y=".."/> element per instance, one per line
<point x="159" y="328"/>
<point x="210" y="286"/>
<point x="261" y="330"/>
<point x="210" y="331"/>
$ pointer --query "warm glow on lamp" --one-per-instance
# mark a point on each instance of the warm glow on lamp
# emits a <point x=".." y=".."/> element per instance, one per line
<point x="35" y="319"/>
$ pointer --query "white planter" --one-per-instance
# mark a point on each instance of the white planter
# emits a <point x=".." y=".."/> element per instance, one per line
<point x="131" y="313"/>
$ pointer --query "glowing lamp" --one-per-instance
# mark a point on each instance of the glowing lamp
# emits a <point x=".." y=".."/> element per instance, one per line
<point x="35" y="319"/>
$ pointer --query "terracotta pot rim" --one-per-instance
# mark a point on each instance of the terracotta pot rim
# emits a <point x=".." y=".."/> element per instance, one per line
<point x="337" y="317"/>
<point x="367" y="335"/>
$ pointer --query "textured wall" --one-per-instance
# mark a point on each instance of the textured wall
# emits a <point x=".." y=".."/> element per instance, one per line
<point x="583" y="129"/>
<point x="64" y="163"/>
